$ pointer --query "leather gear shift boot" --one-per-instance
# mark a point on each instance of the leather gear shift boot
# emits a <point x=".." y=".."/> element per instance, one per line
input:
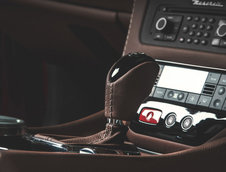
<point x="113" y="134"/>
<point x="129" y="82"/>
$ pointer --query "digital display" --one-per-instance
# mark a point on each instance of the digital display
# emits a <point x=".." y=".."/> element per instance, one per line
<point x="177" y="78"/>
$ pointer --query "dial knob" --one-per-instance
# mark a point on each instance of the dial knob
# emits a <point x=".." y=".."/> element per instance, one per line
<point x="164" y="25"/>
<point x="221" y="30"/>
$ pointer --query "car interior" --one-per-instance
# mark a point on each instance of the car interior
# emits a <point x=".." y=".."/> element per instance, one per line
<point x="112" y="85"/>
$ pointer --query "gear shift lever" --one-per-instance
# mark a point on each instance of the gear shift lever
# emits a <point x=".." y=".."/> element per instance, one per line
<point x="129" y="82"/>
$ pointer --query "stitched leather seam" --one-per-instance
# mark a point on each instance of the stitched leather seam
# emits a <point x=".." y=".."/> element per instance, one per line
<point x="111" y="100"/>
<point x="129" y="30"/>
<point x="105" y="135"/>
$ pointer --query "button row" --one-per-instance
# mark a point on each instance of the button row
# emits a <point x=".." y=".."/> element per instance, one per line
<point x="202" y="19"/>
<point x="178" y="96"/>
<point x="217" y="42"/>
<point x="218" y="101"/>
<point x="199" y="34"/>
<point x="164" y="37"/>
<point x="216" y="78"/>
<point x="187" y="28"/>
<point x="195" y="41"/>
<point x="186" y="123"/>
<point x="218" y="98"/>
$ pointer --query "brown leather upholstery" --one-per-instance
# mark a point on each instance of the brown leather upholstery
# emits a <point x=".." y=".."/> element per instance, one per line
<point x="83" y="127"/>
<point x="208" y="157"/>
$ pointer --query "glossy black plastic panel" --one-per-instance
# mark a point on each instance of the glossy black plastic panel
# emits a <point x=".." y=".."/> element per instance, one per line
<point x="177" y="123"/>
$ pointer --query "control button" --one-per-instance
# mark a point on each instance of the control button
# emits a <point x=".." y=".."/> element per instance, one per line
<point x="221" y="90"/>
<point x="180" y="96"/>
<point x="192" y="99"/>
<point x="204" y="19"/>
<point x="194" y="26"/>
<point x="159" y="92"/>
<point x="204" y="42"/>
<point x="150" y="116"/>
<point x="202" y="26"/>
<point x="170" y="120"/>
<point x="174" y="95"/>
<point x="209" y="27"/>
<point x="169" y="37"/>
<point x="186" y="123"/>
<point x="199" y="34"/>
<point x="185" y="29"/>
<point x="196" y="18"/>
<point x="223" y="43"/>
<point x="189" y="18"/>
<point x="164" y="9"/>
<point x="196" y="41"/>
<point x="176" y="19"/>
<point x="211" y="20"/>
<point x="218" y="98"/>
<point x="204" y="101"/>
<point x="158" y="36"/>
<point x="215" y="42"/>
<point x="222" y="80"/>
<point x="191" y="33"/>
<point x="161" y="24"/>
<point x="221" y="30"/>
<point x="206" y="34"/>
<point x="213" y="78"/>
<point x="175" y="28"/>
<point x="182" y="39"/>
<point x="217" y="103"/>
<point x="170" y="94"/>
<point x="189" y="40"/>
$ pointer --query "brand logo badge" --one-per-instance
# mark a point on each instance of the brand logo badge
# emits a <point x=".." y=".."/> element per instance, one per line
<point x="150" y="116"/>
<point x="207" y="3"/>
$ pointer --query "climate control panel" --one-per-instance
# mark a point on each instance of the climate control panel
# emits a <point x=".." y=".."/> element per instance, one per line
<point x="187" y="104"/>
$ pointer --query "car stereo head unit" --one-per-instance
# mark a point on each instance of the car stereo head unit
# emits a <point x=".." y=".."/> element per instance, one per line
<point x="188" y="24"/>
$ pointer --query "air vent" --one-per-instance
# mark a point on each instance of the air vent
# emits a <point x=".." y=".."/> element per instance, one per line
<point x="208" y="89"/>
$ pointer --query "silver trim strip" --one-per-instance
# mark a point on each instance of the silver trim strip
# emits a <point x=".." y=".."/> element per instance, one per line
<point x="148" y="151"/>
<point x="189" y="65"/>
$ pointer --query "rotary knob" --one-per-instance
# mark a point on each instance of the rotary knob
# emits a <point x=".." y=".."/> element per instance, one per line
<point x="164" y="25"/>
<point x="221" y="30"/>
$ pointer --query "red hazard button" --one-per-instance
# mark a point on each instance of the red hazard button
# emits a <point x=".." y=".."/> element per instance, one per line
<point x="150" y="116"/>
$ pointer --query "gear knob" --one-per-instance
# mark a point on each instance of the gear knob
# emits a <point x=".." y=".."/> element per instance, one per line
<point x="129" y="82"/>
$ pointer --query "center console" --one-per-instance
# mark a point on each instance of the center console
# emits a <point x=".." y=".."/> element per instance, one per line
<point x="187" y="104"/>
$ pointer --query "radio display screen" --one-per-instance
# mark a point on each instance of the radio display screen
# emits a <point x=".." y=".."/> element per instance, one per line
<point x="177" y="78"/>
